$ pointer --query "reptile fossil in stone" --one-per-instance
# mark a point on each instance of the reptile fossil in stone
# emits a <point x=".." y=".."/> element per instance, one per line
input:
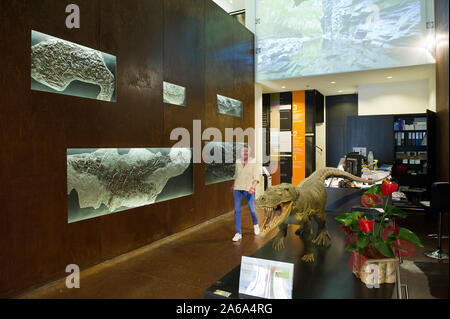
<point x="288" y="204"/>
<point x="129" y="180"/>
<point x="56" y="63"/>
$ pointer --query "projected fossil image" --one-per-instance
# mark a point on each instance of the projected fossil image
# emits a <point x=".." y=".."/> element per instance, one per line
<point x="174" y="94"/>
<point x="299" y="38"/>
<point x="220" y="161"/>
<point x="103" y="181"/>
<point x="60" y="66"/>
<point x="229" y="106"/>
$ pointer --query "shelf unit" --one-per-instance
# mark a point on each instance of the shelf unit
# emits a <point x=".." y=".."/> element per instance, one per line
<point x="413" y="151"/>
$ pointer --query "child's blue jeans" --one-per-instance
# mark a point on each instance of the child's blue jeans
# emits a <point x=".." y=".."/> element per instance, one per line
<point x="237" y="208"/>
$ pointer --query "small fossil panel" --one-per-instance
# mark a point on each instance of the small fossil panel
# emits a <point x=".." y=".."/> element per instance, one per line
<point x="60" y="66"/>
<point x="174" y="94"/>
<point x="229" y="106"/>
<point x="220" y="159"/>
<point x="102" y="181"/>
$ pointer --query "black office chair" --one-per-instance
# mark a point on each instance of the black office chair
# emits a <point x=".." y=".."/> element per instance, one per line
<point x="439" y="204"/>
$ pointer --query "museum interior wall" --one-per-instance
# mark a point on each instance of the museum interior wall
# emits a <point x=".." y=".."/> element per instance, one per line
<point x="193" y="44"/>
<point x="395" y="98"/>
<point x="441" y="9"/>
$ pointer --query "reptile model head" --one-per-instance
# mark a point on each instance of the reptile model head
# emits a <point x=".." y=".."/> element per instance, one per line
<point x="277" y="202"/>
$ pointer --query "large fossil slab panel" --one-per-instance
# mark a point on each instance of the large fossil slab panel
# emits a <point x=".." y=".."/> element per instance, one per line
<point x="60" y="66"/>
<point x="174" y="94"/>
<point x="108" y="180"/>
<point x="220" y="159"/>
<point x="229" y="106"/>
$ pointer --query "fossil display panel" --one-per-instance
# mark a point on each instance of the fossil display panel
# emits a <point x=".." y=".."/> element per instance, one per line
<point x="229" y="106"/>
<point x="107" y="180"/>
<point x="174" y="94"/>
<point x="220" y="159"/>
<point x="60" y="66"/>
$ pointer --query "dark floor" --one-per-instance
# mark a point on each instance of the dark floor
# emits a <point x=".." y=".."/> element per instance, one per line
<point x="185" y="264"/>
<point x="426" y="278"/>
<point x="180" y="266"/>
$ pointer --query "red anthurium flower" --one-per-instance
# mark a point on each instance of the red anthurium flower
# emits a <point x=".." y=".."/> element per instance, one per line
<point x="346" y="229"/>
<point x="388" y="188"/>
<point x="371" y="200"/>
<point x="365" y="225"/>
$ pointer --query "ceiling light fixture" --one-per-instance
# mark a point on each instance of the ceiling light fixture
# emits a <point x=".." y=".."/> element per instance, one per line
<point x="283" y="87"/>
<point x="340" y="91"/>
<point x="332" y="82"/>
<point x="389" y="77"/>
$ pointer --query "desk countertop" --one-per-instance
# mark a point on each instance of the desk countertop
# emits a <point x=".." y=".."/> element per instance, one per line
<point x="327" y="277"/>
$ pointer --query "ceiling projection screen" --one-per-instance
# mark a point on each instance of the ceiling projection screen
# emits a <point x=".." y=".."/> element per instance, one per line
<point x="297" y="38"/>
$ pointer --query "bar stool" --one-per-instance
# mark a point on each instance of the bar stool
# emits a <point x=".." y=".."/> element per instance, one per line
<point x="439" y="204"/>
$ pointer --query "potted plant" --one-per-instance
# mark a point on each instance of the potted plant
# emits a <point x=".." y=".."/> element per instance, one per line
<point x="375" y="247"/>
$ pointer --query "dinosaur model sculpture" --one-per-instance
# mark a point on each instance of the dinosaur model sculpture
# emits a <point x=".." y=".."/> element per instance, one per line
<point x="288" y="204"/>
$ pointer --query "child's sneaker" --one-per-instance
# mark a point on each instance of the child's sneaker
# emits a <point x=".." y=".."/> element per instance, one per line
<point x="237" y="237"/>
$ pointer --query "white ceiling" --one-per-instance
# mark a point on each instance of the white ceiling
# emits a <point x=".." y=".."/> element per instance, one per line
<point x="348" y="83"/>
<point x="231" y="5"/>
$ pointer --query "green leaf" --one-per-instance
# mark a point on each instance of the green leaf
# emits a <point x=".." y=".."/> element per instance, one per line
<point x="395" y="211"/>
<point x="390" y="239"/>
<point x="375" y="189"/>
<point x="383" y="248"/>
<point x="408" y="235"/>
<point x="346" y="219"/>
<point x="362" y="242"/>
<point x="349" y="218"/>
<point x="351" y="247"/>
<point x="355" y="215"/>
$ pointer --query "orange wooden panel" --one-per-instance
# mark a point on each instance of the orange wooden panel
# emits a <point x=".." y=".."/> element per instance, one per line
<point x="298" y="136"/>
<point x="275" y="142"/>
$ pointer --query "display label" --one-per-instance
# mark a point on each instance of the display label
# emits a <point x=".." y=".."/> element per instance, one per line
<point x="266" y="278"/>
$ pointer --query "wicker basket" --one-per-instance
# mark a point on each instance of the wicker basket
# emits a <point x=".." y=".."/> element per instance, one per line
<point x="376" y="271"/>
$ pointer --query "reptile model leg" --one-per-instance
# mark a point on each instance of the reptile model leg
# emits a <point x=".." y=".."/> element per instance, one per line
<point x="278" y="243"/>
<point x="322" y="231"/>
<point x="307" y="241"/>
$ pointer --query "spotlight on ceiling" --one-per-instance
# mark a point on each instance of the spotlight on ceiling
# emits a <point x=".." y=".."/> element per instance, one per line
<point x="333" y="82"/>
<point x="389" y="77"/>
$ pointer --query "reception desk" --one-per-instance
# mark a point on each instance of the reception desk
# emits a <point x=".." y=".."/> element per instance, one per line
<point x="329" y="276"/>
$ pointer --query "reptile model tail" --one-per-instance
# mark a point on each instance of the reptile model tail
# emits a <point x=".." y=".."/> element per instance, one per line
<point x="327" y="172"/>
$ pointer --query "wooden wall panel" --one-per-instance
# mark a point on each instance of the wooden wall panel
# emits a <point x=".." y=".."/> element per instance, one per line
<point x="198" y="46"/>
<point x="219" y="65"/>
<point x="442" y="143"/>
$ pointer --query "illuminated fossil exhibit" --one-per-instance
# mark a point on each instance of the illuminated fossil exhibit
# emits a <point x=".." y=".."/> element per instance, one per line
<point x="229" y="106"/>
<point x="56" y="64"/>
<point x="110" y="180"/>
<point x="174" y="94"/>
<point x="220" y="161"/>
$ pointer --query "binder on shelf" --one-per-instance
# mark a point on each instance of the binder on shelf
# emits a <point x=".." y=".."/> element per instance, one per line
<point x="424" y="139"/>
